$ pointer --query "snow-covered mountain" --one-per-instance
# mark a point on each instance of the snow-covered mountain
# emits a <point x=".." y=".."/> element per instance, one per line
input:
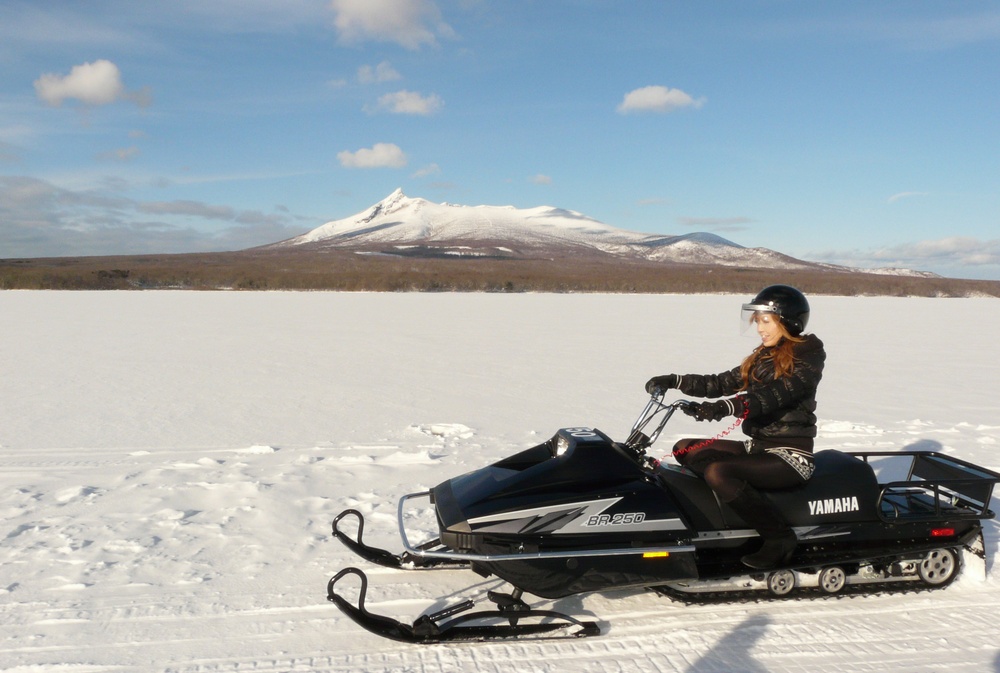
<point x="404" y="226"/>
<point x="400" y="219"/>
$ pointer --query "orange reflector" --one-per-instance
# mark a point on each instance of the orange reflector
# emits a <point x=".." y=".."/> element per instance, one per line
<point x="942" y="532"/>
<point x="656" y="554"/>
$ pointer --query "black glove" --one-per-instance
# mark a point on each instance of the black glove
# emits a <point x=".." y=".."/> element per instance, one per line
<point x="713" y="411"/>
<point x="658" y="384"/>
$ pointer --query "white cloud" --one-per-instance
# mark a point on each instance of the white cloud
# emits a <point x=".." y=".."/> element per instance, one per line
<point x="657" y="99"/>
<point x="963" y="250"/>
<point x="738" y="223"/>
<point x="383" y="72"/>
<point x="541" y="179"/>
<point x="427" y="171"/>
<point x="409" y="23"/>
<point x="97" y="83"/>
<point x="904" y="195"/>
<point x="410" y="103"/>
<point x="186" y="208"/>
<point x="954" y="255"/>
<point x="381" y="155"/>
<point x="44" y="220"/>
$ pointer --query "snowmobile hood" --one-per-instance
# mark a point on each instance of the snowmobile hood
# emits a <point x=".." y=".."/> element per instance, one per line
<point x="574" y="461"/>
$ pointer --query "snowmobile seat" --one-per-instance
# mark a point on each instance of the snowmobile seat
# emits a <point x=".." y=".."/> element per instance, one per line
<point x="842" y="489"/>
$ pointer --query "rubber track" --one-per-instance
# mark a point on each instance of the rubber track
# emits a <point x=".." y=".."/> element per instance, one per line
<point x="759" y="595"/>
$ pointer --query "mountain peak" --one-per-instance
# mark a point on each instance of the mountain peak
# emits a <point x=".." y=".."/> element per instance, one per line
<point x="389" y="204"/>
<point x="404" y="226"/>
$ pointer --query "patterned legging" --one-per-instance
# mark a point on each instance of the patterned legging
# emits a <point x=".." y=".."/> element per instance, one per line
<point x="726" y="467"/>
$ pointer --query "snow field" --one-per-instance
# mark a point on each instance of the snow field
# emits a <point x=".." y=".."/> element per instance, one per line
<point x="170" y="463"/>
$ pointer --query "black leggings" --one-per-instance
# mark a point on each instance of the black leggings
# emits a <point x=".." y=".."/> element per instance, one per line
<point x="727" y="467"/>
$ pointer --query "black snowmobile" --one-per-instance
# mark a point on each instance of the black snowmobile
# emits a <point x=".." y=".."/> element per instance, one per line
<point x="582" y="513"/>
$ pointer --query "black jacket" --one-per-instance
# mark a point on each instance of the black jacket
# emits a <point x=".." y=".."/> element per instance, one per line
<point x="779" y="409"/>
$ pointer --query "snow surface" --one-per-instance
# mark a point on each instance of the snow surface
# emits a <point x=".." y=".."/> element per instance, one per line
<point x="170" y="463"/>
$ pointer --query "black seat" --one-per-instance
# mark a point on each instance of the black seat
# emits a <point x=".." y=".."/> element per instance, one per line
<point x="843" y="488"/>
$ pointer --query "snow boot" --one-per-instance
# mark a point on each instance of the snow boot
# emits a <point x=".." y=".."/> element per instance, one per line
<point x="779" y="538"/>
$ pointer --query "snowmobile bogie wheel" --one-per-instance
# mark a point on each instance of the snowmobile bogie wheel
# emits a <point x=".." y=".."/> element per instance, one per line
<point x="832" y="579"/>
<point x="781" y="582"/>
<point x="938" y="567"/>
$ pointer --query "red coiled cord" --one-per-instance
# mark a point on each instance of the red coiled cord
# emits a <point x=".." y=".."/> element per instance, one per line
<point x="705" y="442"/>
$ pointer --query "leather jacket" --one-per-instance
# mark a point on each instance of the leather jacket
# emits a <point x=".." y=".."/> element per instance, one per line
<point x="779" y="409"/>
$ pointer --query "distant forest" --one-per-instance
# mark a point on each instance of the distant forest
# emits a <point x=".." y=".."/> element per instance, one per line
<point x="346" y="271"/>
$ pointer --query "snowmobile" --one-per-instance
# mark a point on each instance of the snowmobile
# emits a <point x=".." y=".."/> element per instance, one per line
<point x="583" y="513"/>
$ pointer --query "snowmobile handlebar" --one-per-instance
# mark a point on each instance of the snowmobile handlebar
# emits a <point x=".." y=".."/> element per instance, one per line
<point x="639" y="440"/>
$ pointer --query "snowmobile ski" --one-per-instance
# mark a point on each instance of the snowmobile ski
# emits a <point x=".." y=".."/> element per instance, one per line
<point x="386" y="558"/>
<point x="455" y="623"/>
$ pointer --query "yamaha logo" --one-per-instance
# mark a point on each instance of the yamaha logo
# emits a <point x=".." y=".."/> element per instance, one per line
<point x="834" y="505"/>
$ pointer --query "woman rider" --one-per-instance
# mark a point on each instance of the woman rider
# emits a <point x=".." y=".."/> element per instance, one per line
<point x="774" y="392"/>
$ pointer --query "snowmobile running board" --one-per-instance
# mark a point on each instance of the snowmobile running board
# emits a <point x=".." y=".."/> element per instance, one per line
<point x="479" y="625"/>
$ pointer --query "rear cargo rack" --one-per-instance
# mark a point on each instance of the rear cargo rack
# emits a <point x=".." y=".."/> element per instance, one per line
<point x="936" y="488"/>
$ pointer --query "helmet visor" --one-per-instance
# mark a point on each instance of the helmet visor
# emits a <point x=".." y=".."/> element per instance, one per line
<point x="749" y="315"/>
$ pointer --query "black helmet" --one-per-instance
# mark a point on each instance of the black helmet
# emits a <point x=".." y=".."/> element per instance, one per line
<point x="789" y="304"/>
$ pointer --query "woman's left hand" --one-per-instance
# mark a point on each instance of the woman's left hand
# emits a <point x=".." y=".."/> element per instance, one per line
<point x="710" y="411"/>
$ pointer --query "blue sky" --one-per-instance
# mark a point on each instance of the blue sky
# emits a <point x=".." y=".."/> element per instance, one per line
<point x="861" y="133"/>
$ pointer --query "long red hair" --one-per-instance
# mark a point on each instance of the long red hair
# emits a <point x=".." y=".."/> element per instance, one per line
<point x="783" y="356"/>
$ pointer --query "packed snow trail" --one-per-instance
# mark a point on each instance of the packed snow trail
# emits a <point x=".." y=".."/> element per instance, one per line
<point x="141" y="562"/>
